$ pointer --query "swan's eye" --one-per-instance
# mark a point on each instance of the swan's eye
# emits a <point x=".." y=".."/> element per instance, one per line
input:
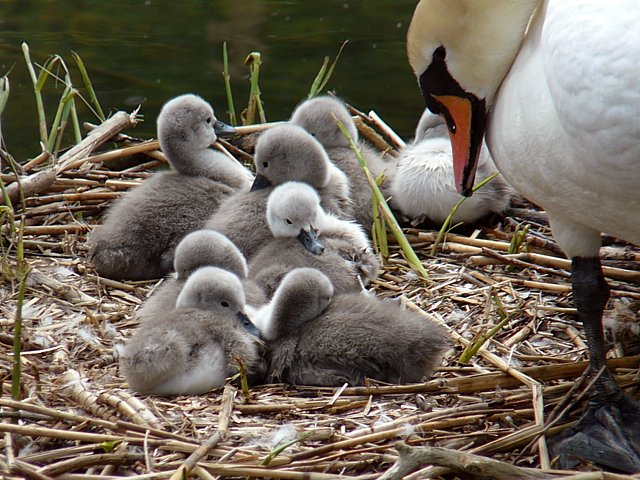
<point x="224" y="304"/>
<point x="289" y="222"/>
<point x="208" y="119"/>
<point x="265" y="164"/>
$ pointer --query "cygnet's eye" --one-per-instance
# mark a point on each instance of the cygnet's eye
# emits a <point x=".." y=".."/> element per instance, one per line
<point x="289" y="222"/>
<point x="265" y="164"/>
<point x="209" y="119"/>
<point x="224" y="304"/>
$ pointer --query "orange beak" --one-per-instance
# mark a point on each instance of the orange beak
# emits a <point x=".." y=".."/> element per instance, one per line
<point x="466" y="130"/>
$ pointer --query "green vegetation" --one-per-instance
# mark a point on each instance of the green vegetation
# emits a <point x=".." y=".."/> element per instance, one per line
<point x="381" y="205"/>
<point x="446" y="226"/>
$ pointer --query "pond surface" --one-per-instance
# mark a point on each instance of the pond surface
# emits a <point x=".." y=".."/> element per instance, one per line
<point x="145" y="52"/>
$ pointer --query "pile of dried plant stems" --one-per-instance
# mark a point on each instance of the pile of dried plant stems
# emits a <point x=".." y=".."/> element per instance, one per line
<point x="489" y="418"/>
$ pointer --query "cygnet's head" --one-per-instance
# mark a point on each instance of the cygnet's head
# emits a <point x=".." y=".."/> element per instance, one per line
<point x="292" y="211"/>
<point x="188" y="122"/>
<point x="218" y="291"/>
<point x="208" y="248"/>
<point x="288" y="153"/>
<point x="430" y="126"/>
<point x="303" y="294"/>
<point x="320" y="115"/>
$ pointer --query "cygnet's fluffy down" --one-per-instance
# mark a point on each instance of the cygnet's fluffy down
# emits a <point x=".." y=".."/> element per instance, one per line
<point x="140" y="231"/>
<point x="194" y="347"/>
<point x="200" y="249"/>
<point x="283" y="153"/>
<point x="304" y="235"/>
<point x="319" y="116"/>
<point x="316" y="338"/>
<point x="423" y="186"/>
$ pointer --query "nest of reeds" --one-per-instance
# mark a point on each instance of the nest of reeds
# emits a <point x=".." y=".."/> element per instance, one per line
<point x="504" y="290"/>
<point x="514" y="375"/>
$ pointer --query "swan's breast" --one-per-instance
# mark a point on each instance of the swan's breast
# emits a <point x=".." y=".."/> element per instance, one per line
<point x="565" y="125"/>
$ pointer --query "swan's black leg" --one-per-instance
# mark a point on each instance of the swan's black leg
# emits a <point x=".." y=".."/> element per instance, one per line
<point x="608" y="433"/>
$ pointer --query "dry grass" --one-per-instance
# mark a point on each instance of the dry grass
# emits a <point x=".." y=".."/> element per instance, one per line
<point x="78" y="420"/>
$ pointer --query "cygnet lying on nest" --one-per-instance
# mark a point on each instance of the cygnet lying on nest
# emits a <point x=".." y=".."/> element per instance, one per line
<point x="194" y="347"/>
<point x="200" y="249"/>
<point x="317" y="338"/>
<point x="304" y="235"/>
<point x="140" y="231"/>
<point x="423" y="186"/>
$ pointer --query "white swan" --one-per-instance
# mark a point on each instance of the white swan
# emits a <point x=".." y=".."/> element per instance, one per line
<point x="555" y="83"/>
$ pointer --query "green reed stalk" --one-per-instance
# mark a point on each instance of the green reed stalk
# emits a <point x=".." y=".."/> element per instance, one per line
<point x="324" y="75"/>
<point x="42" y="120"/>
<point x="5" y="89"/>
<point x="385" y="211"/>
<point x="227" y="86"/>
<point x="254" y="107"/>
<point x="447" y="222"/>
<point x="23" y="273"/>
<point x="75" y="123"/>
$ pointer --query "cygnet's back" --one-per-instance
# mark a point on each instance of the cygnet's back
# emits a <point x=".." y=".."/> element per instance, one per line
<point x="303" y="235"/>
<point x="316" y="339"/>
<point x="196" y="250"/>
<point x="319" y="116"/>
<point x="140" y="231"/>
<point x="195" y="346"/>
<point x="283" y="153"/>
<point x="423" y="186"/>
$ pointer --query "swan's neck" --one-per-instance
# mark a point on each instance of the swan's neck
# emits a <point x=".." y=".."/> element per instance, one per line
<point x="211" y="164"/>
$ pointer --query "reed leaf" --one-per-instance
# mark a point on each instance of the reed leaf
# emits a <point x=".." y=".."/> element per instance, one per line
<point x="446" y="226"/>
<point x="390" y="220"/>
<point x="472" y="348"/>
<point x="89" y="86"/>
<point x="281" y="448"/>
<point x="324" y="74"/>
<point x="227" y="86"/>
<point x="379" y="232"/>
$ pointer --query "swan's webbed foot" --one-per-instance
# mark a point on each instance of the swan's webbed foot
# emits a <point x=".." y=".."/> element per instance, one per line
<point x="607" y="434"/>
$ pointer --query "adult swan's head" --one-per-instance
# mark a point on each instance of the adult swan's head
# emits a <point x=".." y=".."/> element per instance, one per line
<point x="460" y="51"/>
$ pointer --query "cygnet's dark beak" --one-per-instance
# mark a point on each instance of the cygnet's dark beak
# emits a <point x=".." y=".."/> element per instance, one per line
<point x="223" y="130"/>
<point x="310" y="241"/>
<point x="260" y="182"/>
<point x="248" y="324"/>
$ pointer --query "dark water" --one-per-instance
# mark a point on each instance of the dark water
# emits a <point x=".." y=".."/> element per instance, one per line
<point x="149" y="51"/>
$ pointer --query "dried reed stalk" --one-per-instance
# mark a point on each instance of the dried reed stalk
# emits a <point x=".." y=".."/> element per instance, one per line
<point x="466" y="463"/>
<point x="228" y="396"/>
